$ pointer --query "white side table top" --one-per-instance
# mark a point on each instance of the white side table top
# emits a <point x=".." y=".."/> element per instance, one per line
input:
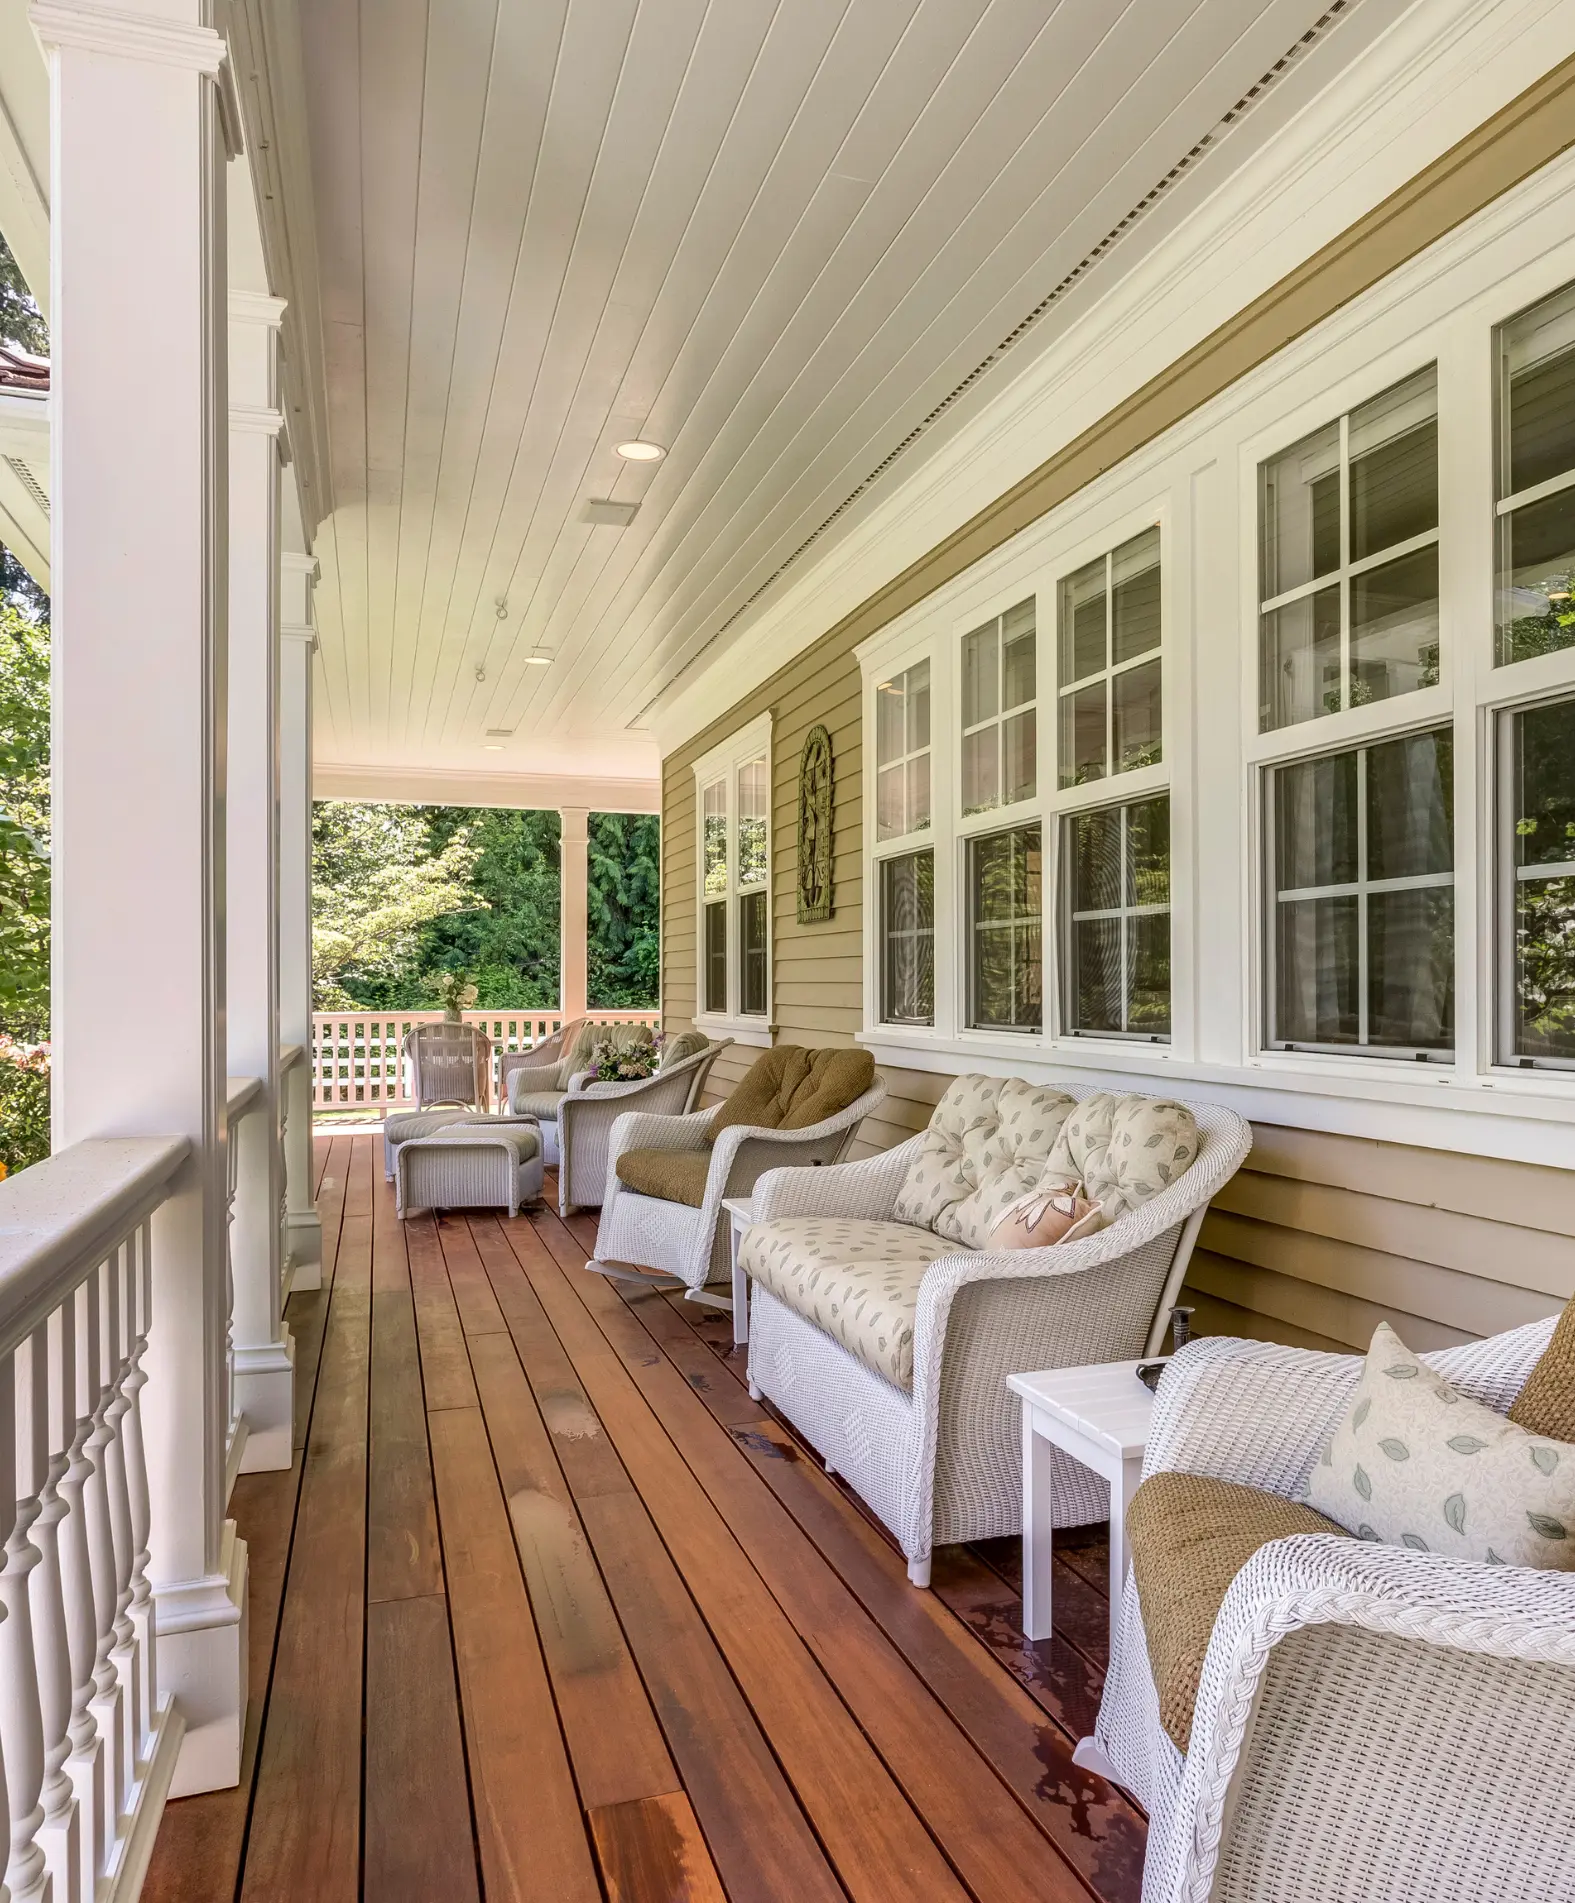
<point x="1106" y="1403"/>
<point x="741" y="1209"/>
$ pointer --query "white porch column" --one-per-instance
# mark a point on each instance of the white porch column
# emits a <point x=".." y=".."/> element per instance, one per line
<point x="264" y="1356"/>
<point x="140" y="580"/>
<point x="573" y="904"/>
<point x="303" y="1232"/>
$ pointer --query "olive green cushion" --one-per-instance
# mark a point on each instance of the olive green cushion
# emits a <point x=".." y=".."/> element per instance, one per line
<point x="1546" y="1404"/>
<point x="789" y="1088"/>
<point x="678" y="1049"/>
<point x="1189" y="1537"/>
<point x="676" y="1176"/>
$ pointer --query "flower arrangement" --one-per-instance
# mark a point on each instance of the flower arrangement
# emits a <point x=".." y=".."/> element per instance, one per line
<point x="455" y="992"/>
<point x="614" y="1066"/>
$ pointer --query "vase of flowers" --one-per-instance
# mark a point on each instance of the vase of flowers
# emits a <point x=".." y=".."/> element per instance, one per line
<point x="456" y="994"/>
<point x="628" y="1066"/>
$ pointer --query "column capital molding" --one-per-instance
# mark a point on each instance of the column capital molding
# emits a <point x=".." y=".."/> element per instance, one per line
<point x="257" y="307"/>
<point x="298" y="563"/>
<point x="255" y="419"/>
<point x="298" y="631"/>
<point x="144" y="36"/>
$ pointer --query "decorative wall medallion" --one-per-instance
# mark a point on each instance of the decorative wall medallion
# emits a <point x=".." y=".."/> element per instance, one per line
<point x="814" y="829"/>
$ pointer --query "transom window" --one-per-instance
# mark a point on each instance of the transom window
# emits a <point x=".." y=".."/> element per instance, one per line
<point x="902" y="753"/>
<point x="907" y="938"/>
<point x="1348" y="559"/>
<point x="733" y="786"/>
<point x="1115" y="956"/>
<point x="1362" y="902"/>
<point x="999" y="721"/>
<point x="1536" y="479"/>
<point x="1109" y="665"/>
<point x="1006" y="980"/>
<point x="1537" y="852"/>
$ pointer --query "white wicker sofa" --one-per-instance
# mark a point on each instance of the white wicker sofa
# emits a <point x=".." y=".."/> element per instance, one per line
<point x="650" y="1237"/>
<point x="1372" y="1723"/>
<point x="936" y="1451"/>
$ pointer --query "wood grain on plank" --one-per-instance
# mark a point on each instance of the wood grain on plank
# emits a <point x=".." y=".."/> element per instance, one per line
<point x="529" y="1828"/>
<point x="651" y="1851"/>
<point x="478" y="1306"/>
<point x="403" y="1559"/>
<point x="418" y="1837"/>
<point x="445" y="1366"/>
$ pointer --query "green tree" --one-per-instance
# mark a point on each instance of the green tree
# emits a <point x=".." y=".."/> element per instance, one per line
<point x="375" y="883"/>
<point x="511" y="947"/>
<point x="625" y="905"/>
<point x="21" y="321"/>
<point x="24" y="871"/>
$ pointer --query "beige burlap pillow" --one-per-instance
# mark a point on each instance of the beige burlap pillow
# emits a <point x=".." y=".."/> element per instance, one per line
<point x="1415" y="1463"/>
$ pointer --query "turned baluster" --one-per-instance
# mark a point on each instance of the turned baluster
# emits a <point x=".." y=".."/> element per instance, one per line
<point x="85" y="1762"/>
<point x="101" y="1555"/>
<point x="139" y="1317"/>
<point x="122" y="1655"/>
<point x="60" y="1834"/>
<point x="24" y="1395"/>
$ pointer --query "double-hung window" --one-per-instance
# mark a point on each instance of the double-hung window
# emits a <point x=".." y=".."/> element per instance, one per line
<point x="1537" y="886"/>
<point x="1348" y="560"/>
<point x="733" y="797"/>
<point x="1361" y="878"/>
<point x="904" y="871"/>
<point x="1115" y="939"/>
<point x="1108" y="650"/>
<point x="1536" y="479"/>
<point x="999" y="721"/>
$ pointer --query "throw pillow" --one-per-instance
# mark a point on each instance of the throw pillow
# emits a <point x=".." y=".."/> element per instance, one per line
<point x="1045" y="1216"/>
<point x="1546" y="1404"/>
<point x="1415" y="1463"/>
<point x="680" y="1047"/>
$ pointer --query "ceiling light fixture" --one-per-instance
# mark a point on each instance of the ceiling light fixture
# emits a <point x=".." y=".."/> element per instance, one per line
<point x="641" y="452"/>
<point x="493" y="746"/>
<point x="538" y="660"/>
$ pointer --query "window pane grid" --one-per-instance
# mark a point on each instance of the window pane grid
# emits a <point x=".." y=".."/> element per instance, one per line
<point x="999" y="713"/>
<point x="1364" y="961"/>
<point x="1116" y="956"/>
<point x="1108" y="686"/>
<point x="902" y="753"/>
<point x="1536" y="479"/>
<point x="1537" y="893"/>
<point x="907" y="902"/>
<point x="1005" y="931"/>
<point x="1348" y="591"/>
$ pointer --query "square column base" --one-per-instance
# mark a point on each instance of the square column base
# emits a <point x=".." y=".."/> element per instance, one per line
<point x="303" y="1251"/>
<point x="201" y="1659"/>
<point x="264" y="1394"/>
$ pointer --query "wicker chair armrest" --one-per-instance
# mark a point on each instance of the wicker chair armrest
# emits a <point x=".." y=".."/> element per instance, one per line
<point x="866" y="1190"/>
<point x="649" y="1130"/>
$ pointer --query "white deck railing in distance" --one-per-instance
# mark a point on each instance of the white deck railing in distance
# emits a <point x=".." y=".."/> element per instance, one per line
<point x="86" y="1750"/>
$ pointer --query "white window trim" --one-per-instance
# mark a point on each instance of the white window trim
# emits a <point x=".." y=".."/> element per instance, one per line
<point x="722" y="763"/>
<point x="1441" y="308"/>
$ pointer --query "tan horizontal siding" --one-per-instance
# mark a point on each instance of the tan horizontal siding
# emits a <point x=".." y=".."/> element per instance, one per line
<point x="1320" y="1236"/>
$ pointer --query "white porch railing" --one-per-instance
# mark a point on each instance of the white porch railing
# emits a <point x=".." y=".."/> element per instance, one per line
<point x="87" y="1752"/>
<point x="356" y="1055"/>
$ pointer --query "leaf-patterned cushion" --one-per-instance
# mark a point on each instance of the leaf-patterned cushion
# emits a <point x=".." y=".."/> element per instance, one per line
<point x="1414" y="1463"/>
<point x="856" y="1281"/>
<point x="993" y="1139"/>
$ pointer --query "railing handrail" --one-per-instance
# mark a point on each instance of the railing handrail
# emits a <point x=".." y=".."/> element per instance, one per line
<point x="241" y="1095"/>
<point x="289" y="1056"/>
<point x="61" y="1217"/>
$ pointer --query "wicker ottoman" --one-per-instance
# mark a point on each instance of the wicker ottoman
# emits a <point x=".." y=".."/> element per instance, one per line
<point x="481" y="1164"/>
<point x="401" y="1125"/>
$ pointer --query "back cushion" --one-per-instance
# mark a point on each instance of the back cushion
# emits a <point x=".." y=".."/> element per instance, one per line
<point x="988" y="1143"/>
<point x="680" y="1048"/>
<point x="1125" y="1149"/>
<point x="788" y="1088"/>
<point x="576" y="1055"/>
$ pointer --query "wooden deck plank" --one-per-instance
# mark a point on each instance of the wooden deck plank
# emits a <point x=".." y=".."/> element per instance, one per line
<point x="478" y="1306"/>
<point x="305" y="1837"/>
<point x="419" y="1845"/>
<point x="651" y="1851"/>
<point x="976" y="1817"/>
<point x="761" y="1841"/>
<point x="529" y="1828"/>
<point x="308" y="1310"/>
<point x="879" y="1846"/>
<point x="445" y="1366"/>
<point x="403" y="1559"/>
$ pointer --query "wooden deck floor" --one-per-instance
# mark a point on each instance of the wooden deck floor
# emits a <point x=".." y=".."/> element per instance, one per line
<point x="549" y="1609"/>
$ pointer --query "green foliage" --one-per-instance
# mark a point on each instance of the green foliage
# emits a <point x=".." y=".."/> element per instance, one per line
<point x="24" y="1104"/>
<point x="501" y="924"/>
<point x="24" y="823"/>
<point x="21" y="321"/>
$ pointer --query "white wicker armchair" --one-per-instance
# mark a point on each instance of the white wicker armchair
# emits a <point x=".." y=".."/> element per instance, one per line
<point x="449" y="1063"/>
<point x="587" y="1115"/>
<point x="943" y="1463"/>
<point x="1373" y="1723"/>
<point x="675" y="1239"/>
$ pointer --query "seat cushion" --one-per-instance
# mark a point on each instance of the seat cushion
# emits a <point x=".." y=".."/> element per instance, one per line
<point x="993" y="1139"/>
<point x="524" y="1139"/>
<point x="1189" y="1537"/>
<point x="399" y="1126"/>
<point x="788" y="1088"/>
<point x="1546" y="1404"/>
<point x="856" y="1281"/>
<point x="536" y="1103"/>
<point x="676" y="1176"/>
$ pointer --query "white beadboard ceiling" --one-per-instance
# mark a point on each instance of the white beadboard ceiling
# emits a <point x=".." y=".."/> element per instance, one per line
<point x="771" y="236"/>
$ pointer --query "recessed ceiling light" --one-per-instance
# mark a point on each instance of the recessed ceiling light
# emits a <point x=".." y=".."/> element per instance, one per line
<point x="493" y="746"/>
<point x="638" y="452"/>
<point x="537" y="660"/>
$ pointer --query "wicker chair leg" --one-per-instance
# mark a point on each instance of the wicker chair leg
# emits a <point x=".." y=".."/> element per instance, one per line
<point x="754" y="1393"/>
<point x="919" y="1571"/>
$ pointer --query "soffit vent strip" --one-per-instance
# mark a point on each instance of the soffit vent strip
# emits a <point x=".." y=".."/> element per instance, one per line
<point x="1016" y="335"/>
<point x="29" y="481"/>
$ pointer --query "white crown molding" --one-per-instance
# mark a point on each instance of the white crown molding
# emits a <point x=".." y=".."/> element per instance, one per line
<point x="530" y="792"/>
<point x="256" y="307"/>
<point x="298" y="563"/>
<point x="1323" y="152"/>
<point x="298" y="631"/>
<point x="255" y="419"/>
<point x="128" y="35"/>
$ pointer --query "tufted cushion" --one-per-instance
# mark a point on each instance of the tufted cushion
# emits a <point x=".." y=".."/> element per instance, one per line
<point x="399" y="1126"/>
<point x="856" y="1281"/>
<point x="534" y="1103"/>
<point x="1546" y="1404"/>
<point x="788" y="1088"/>
<point x="676" y="1050"/>
<point x="992" y="1139"/>
<point x="524" y="1139"/>
<point x="1189" y="1537"/>
<point x="676" y="1176"/>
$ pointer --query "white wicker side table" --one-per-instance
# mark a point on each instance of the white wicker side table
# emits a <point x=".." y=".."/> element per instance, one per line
<point x="1100" y="1416"/>
<point x="741" y="1213"/>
